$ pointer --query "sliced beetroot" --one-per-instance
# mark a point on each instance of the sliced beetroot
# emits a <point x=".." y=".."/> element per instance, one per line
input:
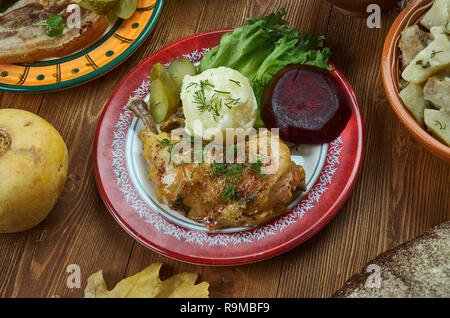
<point x="305" y="104"/>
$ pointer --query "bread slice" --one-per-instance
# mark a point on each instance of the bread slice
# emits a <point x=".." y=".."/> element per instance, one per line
<point x="417" y="268"/>
<point x="22" y="42"/>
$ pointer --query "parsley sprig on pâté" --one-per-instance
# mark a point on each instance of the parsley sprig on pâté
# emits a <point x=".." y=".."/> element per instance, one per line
<point x="56" y="24"/>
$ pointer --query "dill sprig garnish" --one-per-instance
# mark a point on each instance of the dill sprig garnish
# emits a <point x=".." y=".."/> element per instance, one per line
<point x="256" y="166"/>
<point x="441" y="126"/>
<point x="233" y="174"/>
<point x="235" y="82"/>
<point x="221" y="92"/>
<point x="215" y="103"/>
<point x="193" y="171"/>
<point x="433" y="53"/>
<point x="258" y="88"/>
<point x="230" y="102"/>
<point x="192" y="84"/>
<point x="200" y="98"/>
<point x="225" y="169"/>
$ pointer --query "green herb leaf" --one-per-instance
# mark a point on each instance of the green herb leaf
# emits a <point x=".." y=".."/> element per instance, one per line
<point x="56" y="24"/>
<point x="55" y="32"/>
<point x="202" y="102"/>
<point x="55" y="21"/>
<point x="167" y="143"/>
<point x="221" y="92"/>
<point x="441" y="126"/>
<point x="433" y="53"/>
<point x="235" y="82"/>
<point x="233" y="175"/>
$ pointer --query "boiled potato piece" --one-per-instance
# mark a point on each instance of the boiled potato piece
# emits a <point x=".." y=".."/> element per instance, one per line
<point x="435" y="31"/>
<point x="438" y="15"/>
<point x="432" y="59"/>
<point x="159" y="72"/>
<point x="179" y="68"/>
<point x="33" y="169"/>
<point x="125" y="8"/>
<point x="159" y="103"/>
<point x="412" y="97"/>
<point x="438" y="122"/>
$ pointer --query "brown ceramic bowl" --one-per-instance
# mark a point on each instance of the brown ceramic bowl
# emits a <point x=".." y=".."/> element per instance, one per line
<point x="390" y="69"/>
<point x="359" y="7"/>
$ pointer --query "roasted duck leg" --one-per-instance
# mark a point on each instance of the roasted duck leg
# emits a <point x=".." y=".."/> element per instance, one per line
<point x="216" y="194"/>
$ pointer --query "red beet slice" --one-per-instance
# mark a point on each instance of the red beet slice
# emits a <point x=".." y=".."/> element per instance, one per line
<point x="305" y="104"/>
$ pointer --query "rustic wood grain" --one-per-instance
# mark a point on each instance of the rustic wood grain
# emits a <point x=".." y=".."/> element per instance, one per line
<point x="401" y="192"/>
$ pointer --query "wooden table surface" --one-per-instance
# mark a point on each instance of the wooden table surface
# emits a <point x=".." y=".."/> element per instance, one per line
<point x="402" y="189"/>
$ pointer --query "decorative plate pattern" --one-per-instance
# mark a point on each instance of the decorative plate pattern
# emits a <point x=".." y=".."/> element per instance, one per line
<point x="122" y="39"/>
<point x="317" y="207"/>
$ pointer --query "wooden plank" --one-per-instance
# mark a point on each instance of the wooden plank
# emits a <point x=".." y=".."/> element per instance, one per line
<point x="30" y="102"/>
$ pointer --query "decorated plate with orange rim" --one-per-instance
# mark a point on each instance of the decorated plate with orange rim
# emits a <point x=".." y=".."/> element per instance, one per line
<point x="117" y="43"/>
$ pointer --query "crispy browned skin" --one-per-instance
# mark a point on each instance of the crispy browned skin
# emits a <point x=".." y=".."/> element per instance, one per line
<point x="195" y="191"/>
<point x="176" y="120"/>
<point x="21" y="41"/>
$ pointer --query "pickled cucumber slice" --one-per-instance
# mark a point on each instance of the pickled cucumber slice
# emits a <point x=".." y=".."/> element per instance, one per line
<point x="159" y="104"/>
<point x="100" y="7"/>
<point x="171" y="90"/>
<point x="179" y="68"/>
<point x="125" y="8"/>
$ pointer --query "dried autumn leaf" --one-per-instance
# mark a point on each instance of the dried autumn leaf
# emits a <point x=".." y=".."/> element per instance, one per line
<point x="147" y="284"/>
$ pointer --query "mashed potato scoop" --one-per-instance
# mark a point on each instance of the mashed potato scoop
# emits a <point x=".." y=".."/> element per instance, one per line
<point x="217" y="99"/>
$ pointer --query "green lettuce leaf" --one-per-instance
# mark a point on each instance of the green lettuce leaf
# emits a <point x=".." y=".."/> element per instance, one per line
<point x="262" y="48"/>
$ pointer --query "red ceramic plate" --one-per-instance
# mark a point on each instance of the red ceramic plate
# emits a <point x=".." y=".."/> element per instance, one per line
<point x="121" y="175"/>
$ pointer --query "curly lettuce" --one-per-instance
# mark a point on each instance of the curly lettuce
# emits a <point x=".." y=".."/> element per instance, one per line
<point x="262" y="48"/>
